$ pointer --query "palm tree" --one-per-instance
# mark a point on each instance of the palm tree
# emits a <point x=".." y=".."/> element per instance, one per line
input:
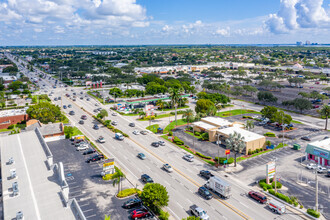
<point x="249" y="125"/>
<point x="116" y="178"/>
<point x="325" y="112"/>
<point x="160" y="104"/>
<point x="175" y="95"/>
<point x="235" y="142"/>
<point x="188" y="115"/>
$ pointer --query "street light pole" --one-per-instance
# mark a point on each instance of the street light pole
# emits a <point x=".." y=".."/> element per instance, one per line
<point x="316" y="193"/>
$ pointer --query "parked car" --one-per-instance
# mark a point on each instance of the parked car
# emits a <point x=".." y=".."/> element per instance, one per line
<point x="81" y="98"/>
<point x="83" y="117"/>
<point x="96" y="104"/>
<point x="261" y="198"/>
<point x="161" y="143"/>
<point x="94" y="158"/>
<point x="146" y="178"/>
<point x="205" y="193"/>
<point x="328" y="173"/>
<point x="81" y="122"/>
<point x="72" y="113"/>
<point x="198" y="212"/>
<point x="168" y="168"/>
<point x="305" y="138"/>
<point x="69" y="106"/>
<point x="88" y="99"/>
<point x="95" y="110"/>
<point x="321" y="169"/>
<point x="140" y="213"/>
<point x="136" y="202"/>
<point x="82" y="147"/>
<point x="188" y="157"/>
<point x="206" y="174"/>
<point x="96" y="127"/>
<point x="155" y="144"/>
<point x="311" y="166"/>
<point x="131" y="124"/>
<point x="101" y="139"/>
<point x="136" y="132"/>
<point x="114" y="123"/>
<point x="89" y="151"/>
<point x="316" y="106"/>
<point x="64" y="106"/>
<point x="114" y="114"/>
<point x="141" y="156"/>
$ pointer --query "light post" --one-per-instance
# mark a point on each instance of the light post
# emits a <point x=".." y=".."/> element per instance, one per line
<point x="316" y="193"/>
<point x="218" y="142"/>
<point x="275" y="159"/>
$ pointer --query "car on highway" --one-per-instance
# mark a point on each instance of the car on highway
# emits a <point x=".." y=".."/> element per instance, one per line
<point x="146" y="178"/>
<point x="114" y="114"/>
<point x="81" y="92"/>
<point x="83" y="117"/>
<point x="155" y="144"/>
<point x="65" y="107"/>
<point x="55" y="99"/>
<point x="101" y="139"/>
<point x="81" y="98"/>
<point x="168" y="168"/>
<point x="136" y="132"/>
<point x="141" y="156"/>
<point x="188" y="157"/>
<point x="94" y="158"/>
<point x="81" y="122"/>
<point x="305" y="138"/>
<point x="204" y="192"/>
<point x="72" y="113"/>
<point x="140" y="213"/>
<point x="131" y="124"/>
<point x="161" y="143"/>
<point x="144" y="132"/>
<point x="96" y="104"/>
<point x="74" y="99"/>
<point x="89" y="151"/>
<point x="82" y="147"/>
<point x="259" y="197"/>
<point x="95" y="110"/>
<point x="88" y="99"/>
<point x="96" y="127"/>
<point x="206" y="174"/>
<point x="69" y="106"/>
<point x="114" y="123"/>
<point x="132" y="203"/>
<point x="328" y="173"/>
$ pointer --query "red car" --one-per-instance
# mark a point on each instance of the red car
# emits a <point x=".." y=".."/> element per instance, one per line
<point x="258" y="197"/>
<point x="84" y="117"/>
<point x="140" y="213"/>
<point x="316" y="106"/>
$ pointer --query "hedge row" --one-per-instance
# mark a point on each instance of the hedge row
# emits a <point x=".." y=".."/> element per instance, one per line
<point x="247" y="116"/>
<point x="128" y="192"/>
<point x="203" y="156"/>
<point x="222" y="160"/>
<point x="313" y="212"/>
<point x="262" y="184"/>
<point x="269" y="134"/>
<point x="178" y="141"/>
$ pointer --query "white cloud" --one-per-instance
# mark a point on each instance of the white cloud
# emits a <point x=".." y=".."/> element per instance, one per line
<point x="223" y="32"/>
<point x="38" y="30"/>
<point x="296" y="14"/>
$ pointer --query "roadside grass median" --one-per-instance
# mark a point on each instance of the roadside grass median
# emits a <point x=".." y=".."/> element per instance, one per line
<point x="153" y="128"/>
<point x="172" y="125"/>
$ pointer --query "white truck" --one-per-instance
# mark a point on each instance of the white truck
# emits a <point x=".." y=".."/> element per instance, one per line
<point x="198" y="212"/>
<point x="219" y="186"/>
<point x="276" y="206"/>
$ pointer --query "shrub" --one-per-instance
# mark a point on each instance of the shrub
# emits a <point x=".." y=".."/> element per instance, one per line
<point x="205" y="136"/>
<point x="203" y="156"/>
<point x="295" y="204"/>
<point x="177" y="141"/>
<point x="11" y="126"/>
<point x="269" y="134"/>
<point x="264" y="188"/>
<point x="222" y="159"/>
<point x="284" y="197"/>
<point x="164" y="215"/>
<point x="257" y="150"/>
<point x="197" y="133"/>
<point x="249" y="152"/>
<point x="172" y="113"/>
<point x="278" y="185"/>
<point x="170" y="133"/>
<point x="128" y="192"/>
<point x="313" y="212"/>
<point x="301" y="206"/>
<point x="268" y="143"/>
<point x="271" y="191"/>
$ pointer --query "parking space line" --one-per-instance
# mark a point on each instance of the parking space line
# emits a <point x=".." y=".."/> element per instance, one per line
<point x="90" y="216"/>
<point x="88" y="210"/>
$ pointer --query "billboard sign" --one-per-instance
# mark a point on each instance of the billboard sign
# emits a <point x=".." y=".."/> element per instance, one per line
<point x="109" y="165"/>
<point x="270" y="169"/>
<point x="321" y="153"/>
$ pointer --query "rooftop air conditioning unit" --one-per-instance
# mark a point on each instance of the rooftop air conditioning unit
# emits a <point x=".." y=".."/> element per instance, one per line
<point x="15" y="188"/>
<point x="11" y="161"/>
<point x="19" y="215"/>
<point x="13" y="173"/>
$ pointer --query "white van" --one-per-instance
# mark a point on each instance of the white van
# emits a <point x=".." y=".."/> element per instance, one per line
<point x="276" y="206"/>
<point x="119" y="136"/>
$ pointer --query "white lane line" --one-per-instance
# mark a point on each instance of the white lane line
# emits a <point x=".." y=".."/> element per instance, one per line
<point x="177" y="217"/>
<point x="29" y="179"/>
<point x="179" y="205"/>
<point x="166" y="182"/>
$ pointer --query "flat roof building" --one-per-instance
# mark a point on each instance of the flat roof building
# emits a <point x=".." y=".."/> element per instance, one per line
<point x="13" y="116"/>
<point x="30" y="183"/>
<point x="319" y="152"/>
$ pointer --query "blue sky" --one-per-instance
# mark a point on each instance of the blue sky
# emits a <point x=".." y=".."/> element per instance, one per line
<point x="113" y="22"/>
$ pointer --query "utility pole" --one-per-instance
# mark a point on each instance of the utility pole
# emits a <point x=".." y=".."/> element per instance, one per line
<point x="316" y="193"/>
<point x="275" y="175"/>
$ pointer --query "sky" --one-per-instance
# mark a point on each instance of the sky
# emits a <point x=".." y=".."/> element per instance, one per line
<point x="144" y="22"/>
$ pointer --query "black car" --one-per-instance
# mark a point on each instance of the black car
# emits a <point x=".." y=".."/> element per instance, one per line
<point x="206" y="174"/>
<point x="155" y="144"/>
<point x="89" y="151"/>
<point x="146" y="178"/>
<point x="71" y="113"/>
<point x="64" y="106"/>
<point x="132" y="124"/>
<point x="205" y="192"/>
<point x="96" y="127"/>
<point x="305" y="138"/>
<point x="81" y="122"/>
<point x="95" y="158"/>
<point x="136" y="202"/>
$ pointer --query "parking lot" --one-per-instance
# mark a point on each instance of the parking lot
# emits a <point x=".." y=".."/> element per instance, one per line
<point x="95" y="196"/>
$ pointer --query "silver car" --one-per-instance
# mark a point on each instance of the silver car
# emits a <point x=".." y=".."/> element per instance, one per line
<point x="188" y="157"/>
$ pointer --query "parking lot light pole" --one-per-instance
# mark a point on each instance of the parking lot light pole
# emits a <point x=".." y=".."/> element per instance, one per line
<point x="316" y="192"/>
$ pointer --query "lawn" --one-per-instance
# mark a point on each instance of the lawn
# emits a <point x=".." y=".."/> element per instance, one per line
<point x="236" y="112"/>
<point x="20" y="126"/>
<point x="76" y="131"/>
<point x="173" y="124"/>
<point x="160" y="116"/>
<point x="296" y="122"/>
<point x="153" y="128"/>
<point x="171" y="109"/>
<point x="190" y="133"/>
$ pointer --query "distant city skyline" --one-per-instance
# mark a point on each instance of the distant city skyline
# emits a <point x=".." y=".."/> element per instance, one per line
<point x="136" y="22"/>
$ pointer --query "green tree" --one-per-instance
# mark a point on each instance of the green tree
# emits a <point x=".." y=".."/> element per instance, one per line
<point x="160" y="104"/>
<point x="249" y="125"/>
<point x="117" y="177"/>
<point x="282" y="118"/>
<point x="155" y="195"/>
<point x="203" y="105"/>
<point x="45" y="112"/>
<point x="175" y="95"/>
<point x="103" y="113"/>
<point x="68" y="131"/>
<point x="325" y="112"/>
<point x="188" y="115"/>
<point x="266" y="96"/>
<point x="235" y="142"/>
<point x="302" y="104"/>
<point x="15" y="85"/>
<point x="268" y="112"/>
<point x="116" y="92"/>
<point x="191" y="218"/>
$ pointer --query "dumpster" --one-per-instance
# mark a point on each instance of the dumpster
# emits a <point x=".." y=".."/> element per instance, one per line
<point x="296" y="147"/>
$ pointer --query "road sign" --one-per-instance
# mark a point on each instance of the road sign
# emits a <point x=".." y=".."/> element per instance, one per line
<point x="270" y="168"/>
<point x="227" y="152"/>
<point x="109" y="165"/>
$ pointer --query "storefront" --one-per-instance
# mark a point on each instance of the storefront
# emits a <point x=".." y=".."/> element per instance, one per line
<point x="319" y="152"/>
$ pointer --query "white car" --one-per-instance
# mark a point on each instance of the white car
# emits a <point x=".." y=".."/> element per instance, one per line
<point x="161" y="143"/>
<point x="311" y="166"/>
<point x="114" y="114"/>
<point x="188" y="157"/>
<point x="101" y="140"/>
<point x="82" y="147"/>
<point x="321" y="169"/>
<point x="136" y="132"/>
<point x="114" y="123"/>
<point x="168" y="168"/>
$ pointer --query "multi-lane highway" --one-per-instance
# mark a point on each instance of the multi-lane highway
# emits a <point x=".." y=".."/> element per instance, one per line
<point x="182" y="184"/>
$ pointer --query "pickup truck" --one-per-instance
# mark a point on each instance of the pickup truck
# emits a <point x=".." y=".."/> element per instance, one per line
<point x="198" y="212"/>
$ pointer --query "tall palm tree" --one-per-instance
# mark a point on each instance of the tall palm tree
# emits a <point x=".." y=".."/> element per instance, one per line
<point x="249" y="125"/>
<point x="175" y="95"/>
<point x="116" y="178"/>
<point x="235" y="142"/>
<point x="325" y="112"/>
<point x="188" y="115"/>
